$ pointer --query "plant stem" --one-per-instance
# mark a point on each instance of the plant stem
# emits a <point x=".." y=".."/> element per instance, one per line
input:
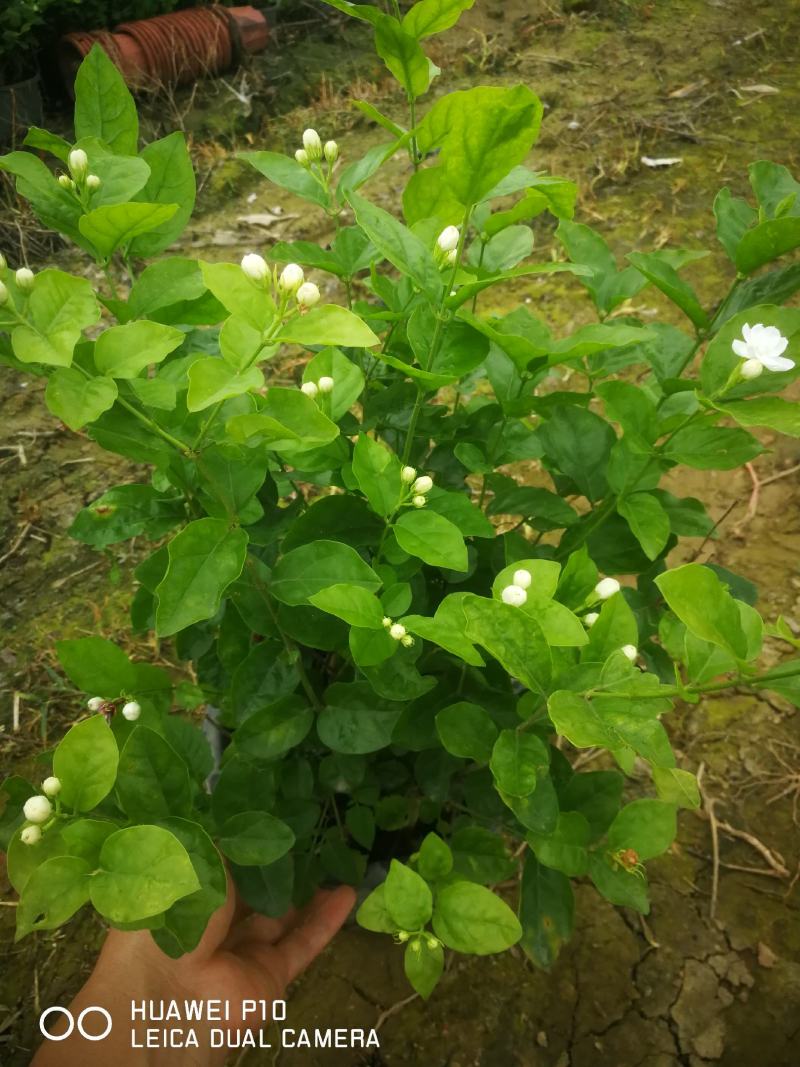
<point x="412" y="116"/>
<point x="182" y="448"/>
<point x="597" y="518"/>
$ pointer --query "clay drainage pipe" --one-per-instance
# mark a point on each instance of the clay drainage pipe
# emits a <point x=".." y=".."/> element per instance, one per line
<point x="171" y="49"/>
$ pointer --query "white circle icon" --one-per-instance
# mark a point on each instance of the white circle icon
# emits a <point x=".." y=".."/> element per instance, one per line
<point x="90" y="1010"/>
<point x="48" y="1012"/>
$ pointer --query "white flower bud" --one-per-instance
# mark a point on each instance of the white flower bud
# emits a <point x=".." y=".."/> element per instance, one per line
<point x="433" y="942"/>
<point x="51" y="786"/>
<point x="31" y="835"/>
<point x="751" y="368"/>
<point x="302" y="157"/>
<point x="419" y="501"/>
<point x="65" y="181"/>
<point x="255" y="267"/>
<point x="131" y="711"/>
<point x="37" y="809"/>
<point x="78" y="163"/>
<point x="3" y="294"/>
<point x="308" y="295"/>
<point x="312" y="144"/>
<point x="450" y="258"/>
<point x="590" y="619"/>
<point x="95" y="703"/>
<point x="397" y="631"/>
<point x="326" y="384"/>
<point x="631" y="651"/>
<point x="448" y="239"/>
<point x="522" y="578"/>
<point x="408" y="474"/>
<point x="407" y="641"/>
<point x="309" y="388"/>
<point x="93" y="182"/>
<point x="24" y="278"/>
<point x="514" y="595"/>
<point x="403" y="935"/>
<point x="607" y="587"/>
<point x="423" y="484"/>
<point x="291" y="278"/>
<point x="331" y="151"/>
<point x="387" y="622"/>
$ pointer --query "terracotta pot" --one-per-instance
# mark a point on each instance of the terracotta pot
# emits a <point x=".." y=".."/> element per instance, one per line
<point x="171" y="49"/>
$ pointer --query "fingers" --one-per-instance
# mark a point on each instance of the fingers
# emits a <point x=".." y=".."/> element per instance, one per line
<point x="314" y="927"/>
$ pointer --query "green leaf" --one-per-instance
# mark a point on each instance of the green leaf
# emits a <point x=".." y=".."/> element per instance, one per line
<point x="407" y="897"/>
<point x="466" y="730"/>
<point x="734" y="217"/>
<point x="204" y="558"/>
<point x="596" y="795"/>
<point x="288" y="174"/>
<point x="434" y="859"/>
<point x="376" y="469"/>
<point x="701" y="602"/>
<point x="565" y="848"/>
<point x="546" y="912"/>
<point x="427" y="17"/>
<point x="646" y="826"/>
<point x="431" y="538"/>
<point x="720" y="359"/>
<point x="97" y="666"/>
<point x="399" y="245"/>
<point x="579" y="443"/>
<point x="481" y="133"/>
<point x="143" y="871"/>
<point x="513" y="638"/>
<point x="625" y="888"/>
<point x="86" y="762"/>
<point x="517" y="759"/>
<point x="327" y="325"/>
<point x="480" y="856"/>
<point x="678" y="787"/>
<point x="274" y="730"/>
<point x="186" y="921"/>
<point x="771" y="411"/>
<point x="211" y="381"/>
<point x="235" y="291"/>
<point x="115" y="225"/>
<point x="306" y="570"/>
<point x="667" y="279"/>
<point x="125" y="351"/>
<point x="353" y="603"/>
<point x="374" y="915"/>
<point x="447" y="628"/>
<point x="355" y="720"/>
<point x="767" y="241"/>
<point x="123" y="512"/>
<point x="423" y="963"/>
<point x="104" y="107"/>
<point x="348" y="379"/>
<point x="76" y="399"/>
<point x="53" y="894"/>
<point x="705" y="446"/>
<point x="58" y="310"/>
<point x="403" y="56"/>
<point x="648" y="521"/>
<point x="152" y="779"/>
<point x="255" y="839"/>
<point x="471" y="919"/>
<point x="85" y="837"/>
<point x="171" y="181"/>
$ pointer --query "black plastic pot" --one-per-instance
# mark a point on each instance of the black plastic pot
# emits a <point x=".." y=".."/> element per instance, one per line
<point x="20" y="107"/>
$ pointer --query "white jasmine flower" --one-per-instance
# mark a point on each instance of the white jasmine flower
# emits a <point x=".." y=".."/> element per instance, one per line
<point x="3" y="294"/>
<point x="37" y="809"/>
<point x="423" y="484"/>
<point x="51" y="786"/>
<point x="255" y="267"/>
<point x="766" y="344"/>
<point x="522" y="578"/>
<point x="607" y="587"/>
<point x="308" y="295"/>
<point x="631" y="651"/>
<point x="309" y="388"/>
<point x="95" y="703"/>
<point x="312" y="144"/>
<point x="24" y="278"/>
<point x="590" y="619"/>
<point x="514" y="595"/>
<point x="751" y="368"/>
<point x="448" y="239"/>
<point x="78" y="163"/>
<point x="292" y="277"/>
<point x="408" y="474"/>
<point x="93" y="182"/>
<point x="131" y="711"/>
<point x="387" y="622"/>
<point x="326" y="384"/>
<point x="31" y="835"/>
<point x="302" y="157"/>
<point x="397" y="631"/>
<point x="331" y="151"/>
<point x="407" y="641"/>
<point x="419" y="501"/>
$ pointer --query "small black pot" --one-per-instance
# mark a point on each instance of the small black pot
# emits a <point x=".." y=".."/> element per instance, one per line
<point x="20" y="107"/>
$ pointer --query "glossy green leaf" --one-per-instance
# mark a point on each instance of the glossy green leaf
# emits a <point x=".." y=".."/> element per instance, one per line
<point x="514" y="639"/>
<point x="115" y="225"/>
<point x="471" y="919"/>
<point x="402" y="54"/>
<point x="352" y="603"/>
<point x="427" y="17"/>
<point x="466" y="730"/>
<point x="431" y="538"/>
<point x="546" y="912"/>
<point x="254" y="839"/>
<point x="58" y="310"/>
<point x="211" y="381"/>
<point x="701" y="602"/>
<point x="125" y="351"/>
<point x="517" y="759"/>
<point x="648" y="521"/>
<point x="53" y="894"/>
<point x="152" y="779"/>
<point x="355" y="720"/>
<point x="327" y="325"/>
<point x="306" y="570"/>
<point x="407" y="897"/>
<point x="565" y="848"/>
<point x="667" y="279"/>
<point x="186" y="920"/>
<point x="104" y="107"/>
<point x="423" y="963"/>
<point x="288" y="174"/>
<point x="86" y="762"/>
<point x="76" y="399"/>
<point x="376" y="469"/>
<point x="646" y="826"/>
<point x="677" y="787"/>
<point x="171" y="181"/>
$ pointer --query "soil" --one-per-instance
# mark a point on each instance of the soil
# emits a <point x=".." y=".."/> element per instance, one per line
<point x="712" y="976"/>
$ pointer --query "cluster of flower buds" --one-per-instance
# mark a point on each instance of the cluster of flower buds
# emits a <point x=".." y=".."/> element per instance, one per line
<point x="398" y="632"/>
<point x="313" y="150"/>
<point x="405" y="935"/>
<point x="38" y="810"/>
<point x="24" y="277"/>
<point x="761" y="347"/>
<point x="289" y="283"/>
<point x="517" y="593"/>
<point x="419" y="485"/>
<point x="446" y="249"/>
<point x="324" y="385"/>
<point x="79" y="176"/>
<point x="131" y="709"/>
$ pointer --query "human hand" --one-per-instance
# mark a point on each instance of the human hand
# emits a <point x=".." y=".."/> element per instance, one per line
<point x="242" y="956"/>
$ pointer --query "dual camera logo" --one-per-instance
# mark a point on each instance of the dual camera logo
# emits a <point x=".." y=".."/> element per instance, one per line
<point x="86" y="1031"/>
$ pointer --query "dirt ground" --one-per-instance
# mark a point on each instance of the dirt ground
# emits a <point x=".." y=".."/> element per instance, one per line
<point x="714" y="83"/>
